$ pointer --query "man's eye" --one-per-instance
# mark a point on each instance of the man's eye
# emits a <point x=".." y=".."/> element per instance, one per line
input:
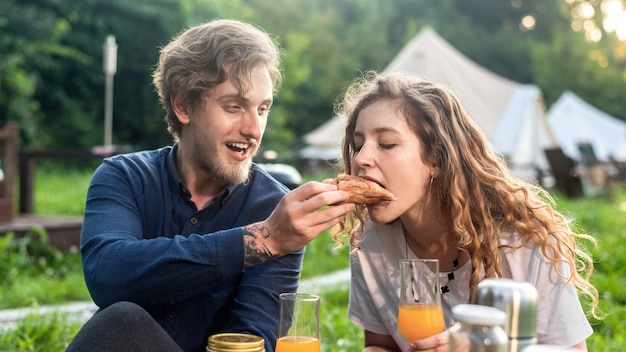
<point x="264" y="111"/>
<point x="387" y="146"/>
<point x="232" y="108"/>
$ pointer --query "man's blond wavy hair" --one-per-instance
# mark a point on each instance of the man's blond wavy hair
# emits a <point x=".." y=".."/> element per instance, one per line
<point x="474" y="191"/>
<point x="204" y="56"/>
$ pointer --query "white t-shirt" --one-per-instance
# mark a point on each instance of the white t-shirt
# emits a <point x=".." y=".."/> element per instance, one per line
<point x="375" y="287"/>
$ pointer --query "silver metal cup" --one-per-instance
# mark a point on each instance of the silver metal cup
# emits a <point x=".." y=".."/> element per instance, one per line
<point x="478" y="328"/>
<point x="519" y="301"/>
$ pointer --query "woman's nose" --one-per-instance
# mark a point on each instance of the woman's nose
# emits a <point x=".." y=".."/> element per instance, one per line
<point x="364" y="158"/>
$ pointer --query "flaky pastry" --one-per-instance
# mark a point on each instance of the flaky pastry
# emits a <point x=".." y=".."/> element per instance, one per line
<point x="363" y="191"/>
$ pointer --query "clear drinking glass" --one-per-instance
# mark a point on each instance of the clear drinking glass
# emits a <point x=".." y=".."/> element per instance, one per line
<point x="298" y="327"/>
<point x="420" y="314"/>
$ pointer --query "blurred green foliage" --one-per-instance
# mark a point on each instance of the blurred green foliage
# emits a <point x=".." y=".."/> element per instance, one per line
<point x="51" y="78"/>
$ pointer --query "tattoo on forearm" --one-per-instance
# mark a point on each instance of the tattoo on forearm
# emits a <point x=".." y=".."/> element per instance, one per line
<point x="255" y="252"/>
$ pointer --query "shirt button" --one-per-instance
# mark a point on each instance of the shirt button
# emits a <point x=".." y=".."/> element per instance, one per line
<point x="172" y="315"/>
<point x="194" y="221"/>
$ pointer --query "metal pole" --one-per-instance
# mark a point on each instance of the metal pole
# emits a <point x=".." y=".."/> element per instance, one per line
<point x="109" y="65"/>
<point x="108" y="110"/>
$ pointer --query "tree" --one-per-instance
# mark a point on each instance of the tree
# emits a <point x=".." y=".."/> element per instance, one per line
<point x="320" y="58"/>
<point x="51" y="78"/>
<point x="140" y="28"/>
<point x="31" y="43"/>
<point x="603" y="54"/>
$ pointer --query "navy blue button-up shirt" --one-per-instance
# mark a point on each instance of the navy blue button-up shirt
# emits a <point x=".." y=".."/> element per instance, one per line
<point x="143" y="240"/>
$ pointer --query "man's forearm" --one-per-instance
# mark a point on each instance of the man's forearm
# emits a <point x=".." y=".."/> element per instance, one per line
<point x="255" y="250"/>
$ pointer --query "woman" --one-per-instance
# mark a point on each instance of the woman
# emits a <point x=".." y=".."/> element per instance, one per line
<point x="456" y="202"/>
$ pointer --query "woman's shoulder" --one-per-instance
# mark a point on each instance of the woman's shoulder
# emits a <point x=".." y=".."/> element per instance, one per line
<point x="522" y="260"/>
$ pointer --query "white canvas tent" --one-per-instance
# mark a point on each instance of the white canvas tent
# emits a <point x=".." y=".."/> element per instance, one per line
<point x="512" y="115"/>
<point x="573" y="120"/>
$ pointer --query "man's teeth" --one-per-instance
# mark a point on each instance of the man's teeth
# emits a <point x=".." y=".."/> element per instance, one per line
<point x="240" y="147"/>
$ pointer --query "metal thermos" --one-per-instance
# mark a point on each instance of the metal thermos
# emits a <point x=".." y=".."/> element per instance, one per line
<point x="519" y="301"/>
<point x="478" y="328"/>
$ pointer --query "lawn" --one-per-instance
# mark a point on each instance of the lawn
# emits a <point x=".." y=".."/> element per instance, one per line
<point x="35" y="274"/>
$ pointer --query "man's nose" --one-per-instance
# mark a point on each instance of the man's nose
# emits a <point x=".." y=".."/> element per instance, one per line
<point x="252" y="125"/>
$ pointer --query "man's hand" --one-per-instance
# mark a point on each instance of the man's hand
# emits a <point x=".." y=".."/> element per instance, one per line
<point x="300" y="216"/>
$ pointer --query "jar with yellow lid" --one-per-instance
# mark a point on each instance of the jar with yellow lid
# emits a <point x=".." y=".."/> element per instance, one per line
<point x="235" y="342"/>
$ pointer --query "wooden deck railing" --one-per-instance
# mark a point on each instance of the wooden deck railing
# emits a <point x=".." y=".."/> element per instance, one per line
<point x="63" y="231"/>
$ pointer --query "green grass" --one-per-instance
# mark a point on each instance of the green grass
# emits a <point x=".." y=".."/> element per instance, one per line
<point x="35" y="272"/>
<point x="337" y="333"/>
<point x="322" y="257"/>
<point x="37" y="332"/>
<point x="605" y="220"/>
<point x="61" y="193"/>
<point x="40" y="275"/>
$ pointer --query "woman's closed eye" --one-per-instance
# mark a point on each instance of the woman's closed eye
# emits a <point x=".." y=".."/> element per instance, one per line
<point x="386" y="145"/>
<point x="357" y="147"/>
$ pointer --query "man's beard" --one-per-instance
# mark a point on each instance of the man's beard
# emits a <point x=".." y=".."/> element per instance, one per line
<point x="231" y="173"/>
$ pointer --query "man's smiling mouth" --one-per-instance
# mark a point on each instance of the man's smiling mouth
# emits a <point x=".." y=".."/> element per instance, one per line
<point x="238" y="147"/>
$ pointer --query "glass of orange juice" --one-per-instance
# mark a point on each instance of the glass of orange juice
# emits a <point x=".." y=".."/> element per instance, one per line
<point x="420" y="314"/>
<point x="298" y="325"/>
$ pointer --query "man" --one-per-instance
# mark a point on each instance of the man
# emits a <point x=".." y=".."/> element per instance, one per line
<point x="193" y="239"/>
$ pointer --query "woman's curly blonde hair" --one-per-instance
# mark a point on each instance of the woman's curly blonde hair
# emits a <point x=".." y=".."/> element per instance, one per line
<point x="475" y="190"/>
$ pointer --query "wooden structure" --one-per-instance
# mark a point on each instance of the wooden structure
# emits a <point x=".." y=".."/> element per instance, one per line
<point x="596" y="180"/>
<point x="619" y="170"/>
<point x="28" y="168"/>
<point x="63" y="232"/>
<point x="9" y="138"/>
<point x="566" y="179"/>
<point x="586" y="177"/>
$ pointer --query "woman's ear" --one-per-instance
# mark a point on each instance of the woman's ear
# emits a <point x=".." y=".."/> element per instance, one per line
<point x="181" y="108"/>
<point x="434" y="171"/>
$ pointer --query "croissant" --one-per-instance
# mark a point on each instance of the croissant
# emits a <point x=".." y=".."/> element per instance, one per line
<point x="363" y="191"/>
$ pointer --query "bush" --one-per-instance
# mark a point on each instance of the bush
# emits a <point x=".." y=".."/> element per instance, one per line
<point x="34" y="271"/>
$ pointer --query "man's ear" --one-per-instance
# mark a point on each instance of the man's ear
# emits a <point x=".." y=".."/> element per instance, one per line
<point x="181" y="108"/>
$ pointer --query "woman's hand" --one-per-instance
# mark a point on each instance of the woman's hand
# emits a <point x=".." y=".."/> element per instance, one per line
<point x="435" y="343"/>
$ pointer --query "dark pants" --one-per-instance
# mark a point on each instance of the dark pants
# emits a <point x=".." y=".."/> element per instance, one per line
<point x="123" y="326"/>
